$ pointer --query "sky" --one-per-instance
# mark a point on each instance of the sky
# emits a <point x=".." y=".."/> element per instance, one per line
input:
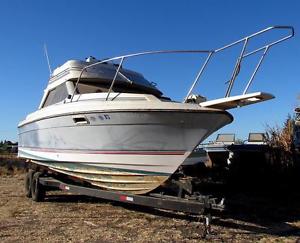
<point x="77" y="29"/>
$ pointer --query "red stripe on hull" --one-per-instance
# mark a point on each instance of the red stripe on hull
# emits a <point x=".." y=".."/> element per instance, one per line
<point x="106" y="151"/>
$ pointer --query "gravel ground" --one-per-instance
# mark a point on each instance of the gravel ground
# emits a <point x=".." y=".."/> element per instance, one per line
<point x="73" y="218"/>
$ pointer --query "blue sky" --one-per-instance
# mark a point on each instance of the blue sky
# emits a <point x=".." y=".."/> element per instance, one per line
<point x="77" y="29"/>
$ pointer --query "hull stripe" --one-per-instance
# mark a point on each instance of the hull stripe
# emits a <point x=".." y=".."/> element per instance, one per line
<point x="123" y="152"/>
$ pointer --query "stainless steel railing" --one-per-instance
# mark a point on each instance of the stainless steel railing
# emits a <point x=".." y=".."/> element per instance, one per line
<point x="122" y="58"/>
<point x="210" y="53"/>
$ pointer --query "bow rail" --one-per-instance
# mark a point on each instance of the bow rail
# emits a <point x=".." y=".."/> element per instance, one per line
<point x="210" y="53"/>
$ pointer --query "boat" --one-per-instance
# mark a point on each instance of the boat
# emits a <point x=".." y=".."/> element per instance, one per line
<point x="108" y="126"/>
<point x="253" y="152"/>
<point x="218" y="151"/>
<point x="198" y="156"/>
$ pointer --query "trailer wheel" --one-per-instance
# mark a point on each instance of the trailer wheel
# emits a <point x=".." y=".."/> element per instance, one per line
<point x="28" y="183"/>
<point x="37" y="190"/>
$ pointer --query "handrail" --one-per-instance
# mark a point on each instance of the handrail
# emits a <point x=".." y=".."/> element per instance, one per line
<point x="243" y="54"/>
<point x="116" y="74"/>
<point x="133" y="55"/>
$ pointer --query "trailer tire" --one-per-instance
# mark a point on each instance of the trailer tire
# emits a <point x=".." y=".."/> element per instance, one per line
<point x="37" y="190"/>
<point x="28" y="182"/>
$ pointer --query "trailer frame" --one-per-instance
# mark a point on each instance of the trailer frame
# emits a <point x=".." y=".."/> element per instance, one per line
<point x="196" y="205"/>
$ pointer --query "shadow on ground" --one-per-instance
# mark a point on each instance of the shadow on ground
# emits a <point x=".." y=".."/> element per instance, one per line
<point x="263" y="213"/>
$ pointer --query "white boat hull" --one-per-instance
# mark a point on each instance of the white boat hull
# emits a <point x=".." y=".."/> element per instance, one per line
<point x="147" y="144"/>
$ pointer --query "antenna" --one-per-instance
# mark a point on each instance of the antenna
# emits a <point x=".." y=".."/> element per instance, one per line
<point x="46" y="54"/>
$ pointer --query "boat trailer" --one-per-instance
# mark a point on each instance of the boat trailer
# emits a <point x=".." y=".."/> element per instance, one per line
<point x="37" y="183"/>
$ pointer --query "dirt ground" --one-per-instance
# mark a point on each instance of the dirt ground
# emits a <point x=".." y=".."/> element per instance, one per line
<point x="73" y="218"/>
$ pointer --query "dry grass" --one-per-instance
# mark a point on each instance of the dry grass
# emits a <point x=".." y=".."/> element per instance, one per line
<point x="10" y="164"/>
<point x="71" y="218"/>
<point x="281" y="137"/>
<point x="11" y="171"/>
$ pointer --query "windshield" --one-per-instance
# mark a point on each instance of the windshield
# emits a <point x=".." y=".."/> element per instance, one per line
<point x="86" y="87"/>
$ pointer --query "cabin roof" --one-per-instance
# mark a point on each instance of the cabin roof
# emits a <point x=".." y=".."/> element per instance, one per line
<point x="103" y="72"/>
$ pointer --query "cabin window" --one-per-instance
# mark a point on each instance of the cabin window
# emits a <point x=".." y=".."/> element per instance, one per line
<point x="85" y="88"/>
<point x="56" y="95"/>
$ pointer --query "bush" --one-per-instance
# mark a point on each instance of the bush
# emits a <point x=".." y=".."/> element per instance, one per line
<point x="281" y="137"/>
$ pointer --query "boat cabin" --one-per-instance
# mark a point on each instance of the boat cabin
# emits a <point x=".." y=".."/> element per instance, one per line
<point x="96" y="79"/>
